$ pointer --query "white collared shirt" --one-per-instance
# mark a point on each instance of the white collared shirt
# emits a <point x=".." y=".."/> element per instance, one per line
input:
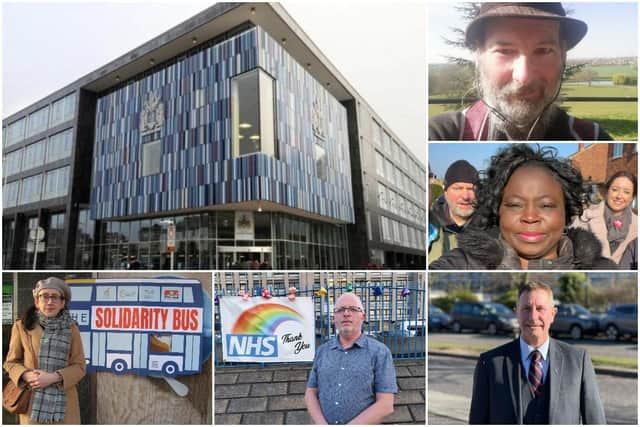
<point x="525" y="351"/>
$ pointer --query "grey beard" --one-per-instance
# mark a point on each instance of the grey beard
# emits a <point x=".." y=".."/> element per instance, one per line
<point x="518" y="122"/>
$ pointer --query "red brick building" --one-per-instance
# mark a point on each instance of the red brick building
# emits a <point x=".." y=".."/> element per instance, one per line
<point x="598" y="161"/>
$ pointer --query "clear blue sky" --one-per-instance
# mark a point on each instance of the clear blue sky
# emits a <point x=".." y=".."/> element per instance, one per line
<point x="613" y="29"/>
<point x="441" y="155"/>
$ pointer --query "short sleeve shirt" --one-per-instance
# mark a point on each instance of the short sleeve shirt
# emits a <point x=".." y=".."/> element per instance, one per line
<point x="348" y="380"/>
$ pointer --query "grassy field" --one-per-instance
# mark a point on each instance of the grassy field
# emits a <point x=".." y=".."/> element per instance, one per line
<point x="573" y="89"/>
<point x="619" y="119"/>
<point x="606" y="71"/>
<point x="620" y="362"/>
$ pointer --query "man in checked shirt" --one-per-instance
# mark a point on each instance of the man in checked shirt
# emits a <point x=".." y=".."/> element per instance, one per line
<point x="353" y="379"/>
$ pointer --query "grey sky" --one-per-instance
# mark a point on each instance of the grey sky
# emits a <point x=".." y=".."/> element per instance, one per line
<point x="378" y="46"/>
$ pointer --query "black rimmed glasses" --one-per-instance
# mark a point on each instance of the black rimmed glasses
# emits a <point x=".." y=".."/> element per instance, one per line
<point x="351" y="309"/>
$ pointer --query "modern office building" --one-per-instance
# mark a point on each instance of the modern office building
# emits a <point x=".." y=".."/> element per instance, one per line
<point x="229" y="141"/>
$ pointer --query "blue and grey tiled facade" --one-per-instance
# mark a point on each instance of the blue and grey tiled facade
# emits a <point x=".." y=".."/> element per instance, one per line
<point x="198" y="169"/>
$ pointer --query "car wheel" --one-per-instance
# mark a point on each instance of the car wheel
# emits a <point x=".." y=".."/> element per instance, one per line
<point x="612" y="332"/>
<point x="492" y="329"/>
<point x="456" y="327"/>
<point x="575" y="332"/>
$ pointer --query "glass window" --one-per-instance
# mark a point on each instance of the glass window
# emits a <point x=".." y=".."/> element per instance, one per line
<point x="379" y="164"/>
<point x="56" y="183"/>
<point x="15" y="132"/>
<point x="382" y="196"/>
<point x="62" y="110"/>
<point x="34" y="155"/>
<point x="321" y="162"/>
<point x="38" y="121"/>
<point x="59" y="145"/>
<point x="10" y="193"/>
<point x="252" y="100"/>
<point x="617" y="151"/>
<point x="151" y="157"/>
<point x="13" y="162"/>
<point x="386" y="142"/>
<point x="31" y="189"/>
<point x="376" y="134"/>
<point x="390" y="171"/>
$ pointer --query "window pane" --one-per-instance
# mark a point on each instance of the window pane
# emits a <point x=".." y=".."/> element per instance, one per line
<point x="56" y="183"/>
<point x="10" y="194"/>
<point x="38" y="121"/>
<point x="63" y="110"/>
<point x="321" y="162"/>
<point x="151" y="156"/>
<point x="59" y="145"/>
<point x="15" y="132"/>
<point x="31" y="189"/>
<point x="13" y="162"/>
<point x="34" y="155"/>
<point x="252" y="98"/>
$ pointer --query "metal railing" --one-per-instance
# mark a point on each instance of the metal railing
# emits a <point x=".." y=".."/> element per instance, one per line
<point x="395" y="315"/>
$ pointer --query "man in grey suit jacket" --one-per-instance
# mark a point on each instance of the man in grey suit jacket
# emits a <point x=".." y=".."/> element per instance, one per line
<point x="535" y="379"/>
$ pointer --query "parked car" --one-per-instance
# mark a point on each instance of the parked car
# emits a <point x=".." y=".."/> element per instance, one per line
<point x="483" y="316"/>
<point x="438" y="319"/>
<point x="574" y="320"/>
<point x="621" y="320"/>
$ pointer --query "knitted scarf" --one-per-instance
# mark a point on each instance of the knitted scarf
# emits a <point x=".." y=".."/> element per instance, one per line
<point x="49" y="403"/>
<point x="616" y="235"/>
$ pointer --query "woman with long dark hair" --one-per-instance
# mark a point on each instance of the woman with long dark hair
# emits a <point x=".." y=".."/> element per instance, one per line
<point x="612" y="220"/>
<point x="46" y="354"/>
<point x="525" y="202"/>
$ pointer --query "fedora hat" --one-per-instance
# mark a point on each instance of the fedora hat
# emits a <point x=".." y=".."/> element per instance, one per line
<point x="572" y="30"/>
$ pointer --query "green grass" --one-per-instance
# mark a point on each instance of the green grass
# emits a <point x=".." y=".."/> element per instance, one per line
<point x="569" y="89"/>
<point x="619" y="362"/>
<point x="605" y="72"/>
<point x="619" y="119"/>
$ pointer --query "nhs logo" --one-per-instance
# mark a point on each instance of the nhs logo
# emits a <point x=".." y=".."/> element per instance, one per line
<point x="252" y="345"/>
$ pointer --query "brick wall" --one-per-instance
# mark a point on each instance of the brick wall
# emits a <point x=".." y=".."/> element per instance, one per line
<point x="276" y="395"/>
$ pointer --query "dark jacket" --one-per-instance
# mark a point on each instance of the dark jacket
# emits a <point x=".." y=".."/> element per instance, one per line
<point x="484" y="250"/>
<point x="574" y="397"/>
<point x="448" y="127"/>
<point x="447" y="229"/>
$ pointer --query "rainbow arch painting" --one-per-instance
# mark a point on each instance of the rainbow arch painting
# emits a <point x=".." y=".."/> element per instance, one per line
<point x="262" y="330"/>
<point x="264" y="319"/>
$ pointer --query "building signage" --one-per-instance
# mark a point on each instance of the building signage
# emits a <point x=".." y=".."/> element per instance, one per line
<point x="144" y="326"/>
<point x="267" y="330"/>
<point x="244" y="225"/>
<point x="152" y="115"/>
<point x="7" y="304"/>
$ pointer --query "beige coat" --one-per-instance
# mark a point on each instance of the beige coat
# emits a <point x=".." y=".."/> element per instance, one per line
<point x="21" y="358"/>
<point x="593" y="220"/>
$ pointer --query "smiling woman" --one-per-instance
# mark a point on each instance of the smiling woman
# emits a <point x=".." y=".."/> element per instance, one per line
<point x="525" y="200"/>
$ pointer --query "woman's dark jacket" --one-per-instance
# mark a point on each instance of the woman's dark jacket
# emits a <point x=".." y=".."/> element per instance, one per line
<point x="480" y="249"/>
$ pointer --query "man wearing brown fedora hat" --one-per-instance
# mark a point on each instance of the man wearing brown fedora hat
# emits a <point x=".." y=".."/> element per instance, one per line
<point x="521" y="51"/>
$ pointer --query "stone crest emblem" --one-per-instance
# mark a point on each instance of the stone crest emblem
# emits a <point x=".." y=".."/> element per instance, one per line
<point x="152" y="115"/>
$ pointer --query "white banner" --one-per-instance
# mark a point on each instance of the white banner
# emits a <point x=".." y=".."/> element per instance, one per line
<point x="267" y="330"/>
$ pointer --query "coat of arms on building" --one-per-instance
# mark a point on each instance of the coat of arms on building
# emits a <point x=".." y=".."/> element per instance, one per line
<point x="152" y="115"/>
<point x="317" y="120"/>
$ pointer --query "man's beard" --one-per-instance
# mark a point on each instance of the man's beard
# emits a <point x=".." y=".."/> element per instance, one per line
<point x="463" y="213"/>
<point x="519" y="114"/>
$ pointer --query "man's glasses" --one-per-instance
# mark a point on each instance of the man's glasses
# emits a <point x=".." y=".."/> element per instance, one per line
<point x="51" y="297"/>
<point x="350" y="309"/>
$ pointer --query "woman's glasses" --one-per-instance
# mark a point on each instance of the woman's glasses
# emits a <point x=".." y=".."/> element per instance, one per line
<point x="51" y="297"/>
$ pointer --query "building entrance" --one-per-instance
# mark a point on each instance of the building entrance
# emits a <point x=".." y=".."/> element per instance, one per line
<point x="244" y="257"/>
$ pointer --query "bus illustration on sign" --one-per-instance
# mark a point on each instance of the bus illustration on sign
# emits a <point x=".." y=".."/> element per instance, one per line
<point x="144" y="326"/>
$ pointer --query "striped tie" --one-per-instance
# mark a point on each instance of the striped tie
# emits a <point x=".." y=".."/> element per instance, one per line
<point x="535" y="372"/>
